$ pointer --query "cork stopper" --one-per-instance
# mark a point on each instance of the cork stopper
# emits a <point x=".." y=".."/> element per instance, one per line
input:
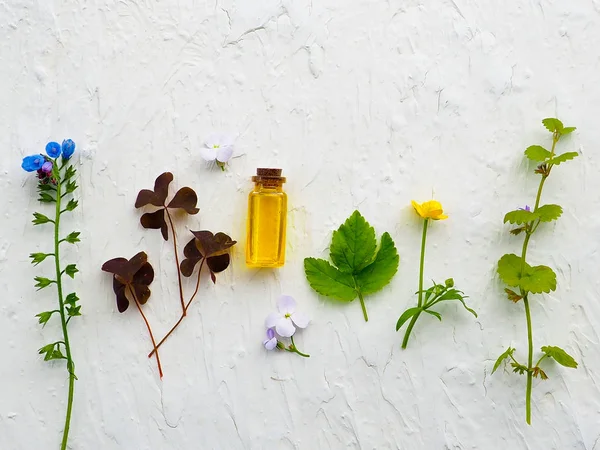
<point x="268" y="175"/>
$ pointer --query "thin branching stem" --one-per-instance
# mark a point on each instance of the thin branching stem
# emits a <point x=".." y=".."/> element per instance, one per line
<point x="174" y="233"/>
<point x="137" y="303"/>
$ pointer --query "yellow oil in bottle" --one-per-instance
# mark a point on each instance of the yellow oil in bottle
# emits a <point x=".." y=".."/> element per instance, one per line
<point x="266" y="226"/>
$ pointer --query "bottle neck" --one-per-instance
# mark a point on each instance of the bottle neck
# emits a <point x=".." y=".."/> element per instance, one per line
<point x="268" y="186"/>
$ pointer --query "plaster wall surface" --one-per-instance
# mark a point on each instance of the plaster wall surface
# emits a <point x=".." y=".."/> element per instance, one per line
<point x="364" y="104"/>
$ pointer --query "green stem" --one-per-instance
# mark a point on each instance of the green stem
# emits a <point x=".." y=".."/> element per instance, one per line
<point x="362" y="305"/>
<point x="421" y="270"/>
<point x="529" y="362"/>
<point x="294" y="349"/>
<point x="63" y="319"/>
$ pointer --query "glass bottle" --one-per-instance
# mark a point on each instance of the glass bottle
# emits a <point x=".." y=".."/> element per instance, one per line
<point x="266" y="226"/>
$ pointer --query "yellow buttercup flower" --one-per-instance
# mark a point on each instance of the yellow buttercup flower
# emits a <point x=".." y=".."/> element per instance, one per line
<point x="430" y="210"/>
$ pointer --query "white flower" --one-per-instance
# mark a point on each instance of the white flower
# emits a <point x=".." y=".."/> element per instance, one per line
<point x="217" y="147"/>
<point x="287" y="319"/>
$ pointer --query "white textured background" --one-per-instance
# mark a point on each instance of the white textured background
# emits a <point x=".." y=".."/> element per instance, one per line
<point x="364" y="104"/>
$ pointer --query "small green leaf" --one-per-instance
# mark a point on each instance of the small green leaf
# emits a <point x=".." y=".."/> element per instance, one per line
<point x="517" y="231"/>
<point x="560" y="356"/>
<point x="71" y="299"/>
<point x="353" y="244"/>
<point x="71" y="187"/>
<point x="537" y="153"/>
<point x="567" y="130"/>
<point x="56" y="354"/>
<point x="509" y="269"/>
<point x="407" y="315"/>
<point x="434" y="313"/>
<point x="47" y="348"/>
<point x="512" y="295"/>
<point x="46" y="198"/>
<point x="381" y="271"/>
<point x="553" y="125"/>
<point x="73" y="311"/>
<point x="509" y="351"/>
<point x="71" y="270"/>
<point x="44" y="316"/>
<point x="518" y="368"/>
<point x="42" y="282"/>
<point x="69" y="172"/>
<point x="37" y="258"/>
<point x="548" y="213"/>
<point x="538" y="279"/>
<point x="45" y="187"/>
<point x="73" y="237"/>
<point x="520" y="216"/>
<point x="71" y="205"/>
<point x="567" y="156"/>
<point x="39" y="219"/>
<point x="328" y="280"/>
<point x="449" y="282"/>
<point x="454" y="294"/>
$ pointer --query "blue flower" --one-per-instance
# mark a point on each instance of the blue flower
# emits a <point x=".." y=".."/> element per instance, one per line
<point x="33" y="163"/>
<point x="53" y="149"/>
<point x="68" y="148"/>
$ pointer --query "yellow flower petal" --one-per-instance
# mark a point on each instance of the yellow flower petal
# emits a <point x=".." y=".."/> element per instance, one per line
<point x="431" y="209"/>
<point x="418" y="208"/>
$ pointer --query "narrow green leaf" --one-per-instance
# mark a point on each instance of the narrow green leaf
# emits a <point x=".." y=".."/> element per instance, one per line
<point x="71" y="270"/>
<point x="42" y="282"/>
<point x="434" y="313"/>
<point x="553" y="124"/>
<point x="71" y="187"/>
<point x="407" y="315"/>
<point x="454" y="294"/>
<point x="39" y="219"/>
<point x="509" y="269"/>
<point x="509" y="351"/>
<point x="381" y="271"/>
<point x="519" y="368"/>
<point x="70" y="172"/>
<point x="353" y="244"/>
<point x="560" y="356"/>
<point x="567" y="156"/>
<point x="73" y="237"/>
<point x="567" y="130"/>
<point x="548" y="213"/>
<point x="45" y="187"/>
<point x="46" y="198"/>
<point x="537" y="153"/>
<point x="538" y="279"/>
<point x="328" y="280"/>
<point x="47" y="348"/>
<point x="37" y="258"/>
<point x="520" y="216"/>
<point x="71" y="205"/>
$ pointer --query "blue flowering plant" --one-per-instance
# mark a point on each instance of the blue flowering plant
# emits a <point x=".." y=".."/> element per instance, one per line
<point x="56" y="182"/>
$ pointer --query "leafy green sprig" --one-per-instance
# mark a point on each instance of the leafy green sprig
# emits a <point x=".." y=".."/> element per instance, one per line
<point x="360" y="268"/>
<point x="54" y="187"/>
<point x="517" y="273"/>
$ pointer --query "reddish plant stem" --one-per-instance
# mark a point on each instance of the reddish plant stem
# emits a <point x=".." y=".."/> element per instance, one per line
<point x="174" y="233"/>
<point x="182" y="316"/>
<point x="160" y="372"/>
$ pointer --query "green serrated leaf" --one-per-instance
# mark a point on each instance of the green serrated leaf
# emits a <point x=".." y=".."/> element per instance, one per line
<point x="560" y="356"/>
<point x="42" y="282"/>
<point x="353" y="244"/>
<point x="509" y="351"/>
<point x="44" y="317"/>
<point x="553" y="124"/>
<point x="39" y="219"/>
<point x="567" y="156"/>
<point x="509" y="269"/>
<point x="71" y="299"/>
<point x="538" y="279"/>
<point x="73" y="311"/>
<point x="518" y="368"/>
<point x="381" y="271"/>
<point x="71" y="205"/>
<point x="328" y="280"/>
<point x="567" y="130"/>
<point x="434" y="313"/>
<point x="407" y="315"/>
<point x="46" y="198"/>
<point x="537" y="153"/>
<point x="548" y="213"/>
<point x="520" y="216"/>
<point x="37" y="258"/>
<point x="71" y="270"/>
<point x="73" y="237"/>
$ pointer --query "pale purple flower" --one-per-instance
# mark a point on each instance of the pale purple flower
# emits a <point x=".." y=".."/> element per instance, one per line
<point x="527" y="208"/>
<point x="47" y="167"/>
<point x="271" y="342"/>
<point x="217" y="147"/>
<point x="287" y="319"/>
